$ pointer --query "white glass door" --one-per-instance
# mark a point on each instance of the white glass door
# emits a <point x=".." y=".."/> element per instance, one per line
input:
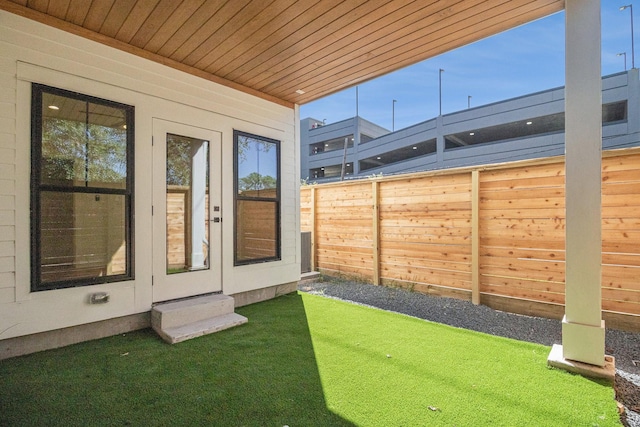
<point x="186" y="211"/>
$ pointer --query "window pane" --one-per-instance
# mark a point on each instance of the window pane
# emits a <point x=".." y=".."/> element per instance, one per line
<point x="82" y="221"/>
<point x="107" y="149"/>
<point x="256" y="230"/>
<point x="187" y="204"/>
<point x="82" y="235"/>
<point x="83" y="143"/>
<point x="257" y="167"/>
<point x="257" y="216"/>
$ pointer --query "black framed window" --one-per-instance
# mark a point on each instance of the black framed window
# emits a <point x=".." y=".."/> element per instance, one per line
<point x="257" y="198"/>
<point x="81" y="189"/>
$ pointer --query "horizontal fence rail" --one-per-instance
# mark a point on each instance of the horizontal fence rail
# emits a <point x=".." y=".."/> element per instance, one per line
<point x="493" y="234"/>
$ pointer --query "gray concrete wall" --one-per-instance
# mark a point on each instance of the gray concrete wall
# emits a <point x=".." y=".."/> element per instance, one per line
<point x="616" y="87"/>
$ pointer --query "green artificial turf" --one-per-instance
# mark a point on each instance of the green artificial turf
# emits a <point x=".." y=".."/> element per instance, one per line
<point x="302" y="360"/>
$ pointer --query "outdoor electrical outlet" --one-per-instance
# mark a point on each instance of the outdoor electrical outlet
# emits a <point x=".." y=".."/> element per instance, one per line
<point x="99" y="298"/>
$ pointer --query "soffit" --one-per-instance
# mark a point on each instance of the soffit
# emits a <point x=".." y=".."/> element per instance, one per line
<point x="273" y="48"/>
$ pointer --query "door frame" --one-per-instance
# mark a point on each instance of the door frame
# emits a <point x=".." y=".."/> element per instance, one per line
<point x="180" y="285"/>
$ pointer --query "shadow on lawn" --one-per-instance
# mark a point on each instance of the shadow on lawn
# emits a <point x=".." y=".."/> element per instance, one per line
<point x="262" y="373"/>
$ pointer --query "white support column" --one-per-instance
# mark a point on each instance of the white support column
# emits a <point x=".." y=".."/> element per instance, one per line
<point x="198" y="202"/>
<point x="582" y="327"/>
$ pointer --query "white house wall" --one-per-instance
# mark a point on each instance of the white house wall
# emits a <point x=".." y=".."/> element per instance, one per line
<point x="32" y="52"/>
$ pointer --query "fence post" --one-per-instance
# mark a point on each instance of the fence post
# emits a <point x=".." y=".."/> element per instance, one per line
<point x="475" y="237"/>
<point x="375" y="232"/>
<point x="313" y="228"/>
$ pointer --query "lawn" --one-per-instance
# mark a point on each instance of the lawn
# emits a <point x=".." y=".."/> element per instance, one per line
<point x="303" y="360"/>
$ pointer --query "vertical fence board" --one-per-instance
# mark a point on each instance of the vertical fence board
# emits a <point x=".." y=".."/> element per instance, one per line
<point x="314" y="231"/>
<point x="376" y="232"/>
<point x="475" y="237"/>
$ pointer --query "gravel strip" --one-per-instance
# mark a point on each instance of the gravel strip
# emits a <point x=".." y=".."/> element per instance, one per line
<point x="624" y="346"/>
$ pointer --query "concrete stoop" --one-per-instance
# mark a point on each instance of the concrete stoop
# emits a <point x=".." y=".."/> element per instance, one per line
<point x="177" y="321"/>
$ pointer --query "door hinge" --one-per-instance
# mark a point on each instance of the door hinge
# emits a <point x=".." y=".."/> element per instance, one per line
<point x="151" y="210"/>
<point x="151" y="280"/>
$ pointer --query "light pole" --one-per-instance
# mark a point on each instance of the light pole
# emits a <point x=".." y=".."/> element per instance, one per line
<point x="356" y="101"/>
<point x="440" y="89"/>
<point x="393" y="116"/>
<point x="468" y="101"/>
<point x="625" y="58"/>
<point x="633" y="59"/>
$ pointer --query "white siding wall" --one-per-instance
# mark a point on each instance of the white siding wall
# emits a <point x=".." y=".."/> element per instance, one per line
<point x="31" y="52"/>
<point x="7" y="180"/>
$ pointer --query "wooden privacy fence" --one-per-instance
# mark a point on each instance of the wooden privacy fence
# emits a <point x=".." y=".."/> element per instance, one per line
<point x="494" y="234"/>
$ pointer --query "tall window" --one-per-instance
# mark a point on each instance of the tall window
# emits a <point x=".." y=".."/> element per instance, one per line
<point x="257" y="190"/>
<point x="81" y="189"/>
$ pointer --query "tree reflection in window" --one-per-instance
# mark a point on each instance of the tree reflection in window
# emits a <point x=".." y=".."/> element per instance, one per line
<point x="83" y="143"/>
<point x="257" y="162"/>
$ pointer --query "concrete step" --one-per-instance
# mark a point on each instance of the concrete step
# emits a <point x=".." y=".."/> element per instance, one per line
<point x="203" y="327"/>
<point x="310" y="277"/>
<point x="177" y="321"/>
<point x="182" y="312"/>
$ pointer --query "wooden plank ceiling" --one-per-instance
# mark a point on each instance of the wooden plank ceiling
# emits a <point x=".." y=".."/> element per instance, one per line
<point x="277" y="49"/>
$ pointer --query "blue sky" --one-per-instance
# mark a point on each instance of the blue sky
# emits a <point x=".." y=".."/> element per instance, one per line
<point x="524" y="60"/>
